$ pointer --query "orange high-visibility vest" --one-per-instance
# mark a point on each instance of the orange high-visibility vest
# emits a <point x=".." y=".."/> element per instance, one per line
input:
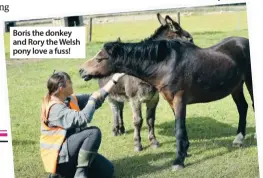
<point x="52" y="138"/>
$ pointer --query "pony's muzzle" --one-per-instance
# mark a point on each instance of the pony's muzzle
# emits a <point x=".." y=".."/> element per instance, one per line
<point x="83" y="74"/>
<point x="81" y="71"/>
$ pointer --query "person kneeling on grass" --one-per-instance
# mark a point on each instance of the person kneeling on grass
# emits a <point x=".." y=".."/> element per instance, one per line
<point x="68" y="147"/>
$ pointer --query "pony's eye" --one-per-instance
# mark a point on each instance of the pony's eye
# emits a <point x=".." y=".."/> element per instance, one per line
<point x="99" y="59"/>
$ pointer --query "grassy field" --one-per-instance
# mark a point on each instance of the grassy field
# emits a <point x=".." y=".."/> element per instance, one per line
<point x="211" y="127"/>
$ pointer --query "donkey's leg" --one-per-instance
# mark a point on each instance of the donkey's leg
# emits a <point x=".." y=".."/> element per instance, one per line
<point x="117" y="108"/>
<point x="150" y="118"/>
<point x="182" y="142"/>
<point x="137" y="121"/>
<point x="242" y="106"/>
<point x="121" y="122"/>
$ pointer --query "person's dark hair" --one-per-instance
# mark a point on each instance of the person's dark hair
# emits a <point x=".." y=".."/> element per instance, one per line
<point x="56" y="80"/>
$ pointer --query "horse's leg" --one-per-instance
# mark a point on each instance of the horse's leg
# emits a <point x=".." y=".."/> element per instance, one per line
<point x="242" y="106"/>
<point x="248" y="81"/>
<point x="150" y="118"/>
<point x="182" y="142"/>
<point x="117" y="108"/>
<point x="137" y="121"/>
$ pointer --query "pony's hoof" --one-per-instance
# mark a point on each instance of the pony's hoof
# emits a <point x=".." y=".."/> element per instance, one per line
<point x="177" y="167"/>
<point x="138" y="148"/>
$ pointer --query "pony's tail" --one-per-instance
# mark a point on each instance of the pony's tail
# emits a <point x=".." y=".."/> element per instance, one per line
<point x="44" y="105"/>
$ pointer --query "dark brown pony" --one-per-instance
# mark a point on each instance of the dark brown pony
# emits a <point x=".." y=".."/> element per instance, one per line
<point x="184" y="74"/>
<point x="137" y="92"/>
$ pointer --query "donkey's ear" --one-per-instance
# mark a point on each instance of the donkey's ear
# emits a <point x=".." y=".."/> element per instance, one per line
<point x="161" y="19"/>
<point x="118" y="39"/>
<point x="174" y="26"/>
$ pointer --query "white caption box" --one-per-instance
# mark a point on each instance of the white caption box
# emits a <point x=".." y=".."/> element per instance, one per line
<point x="47" y="42"/>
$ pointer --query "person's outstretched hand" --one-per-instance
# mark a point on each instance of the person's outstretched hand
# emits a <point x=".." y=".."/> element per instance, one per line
<point x="96" y="95"/>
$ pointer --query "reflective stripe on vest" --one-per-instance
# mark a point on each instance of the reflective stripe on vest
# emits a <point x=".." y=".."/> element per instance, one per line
<point x="52" y="138"/>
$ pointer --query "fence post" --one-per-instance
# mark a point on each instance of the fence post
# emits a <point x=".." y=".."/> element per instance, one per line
<point x="90" y="30"/>
<point x="178" y="17"/>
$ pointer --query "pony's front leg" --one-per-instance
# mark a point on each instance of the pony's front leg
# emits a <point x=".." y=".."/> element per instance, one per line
<point x="182" y="143"/>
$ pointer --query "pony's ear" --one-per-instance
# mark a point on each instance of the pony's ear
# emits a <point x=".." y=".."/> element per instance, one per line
<point x="110" y="47"/>
<point x="118" y="39"/>
<point x="174" y="26"/>
<point x="161" y="19"/>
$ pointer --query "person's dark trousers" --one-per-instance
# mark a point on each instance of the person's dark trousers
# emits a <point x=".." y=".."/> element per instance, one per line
<point x="84" y="160"/>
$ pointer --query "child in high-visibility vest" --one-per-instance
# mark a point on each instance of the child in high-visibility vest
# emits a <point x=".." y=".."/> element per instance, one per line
<point x="68" y="147"/>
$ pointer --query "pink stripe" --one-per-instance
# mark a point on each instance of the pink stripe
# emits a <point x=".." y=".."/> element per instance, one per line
<point x="3" y="134"/>
<point x="3" y="130"/>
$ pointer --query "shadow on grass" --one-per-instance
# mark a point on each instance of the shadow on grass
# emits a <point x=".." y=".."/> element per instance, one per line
<point x="197" y="128"/>
<point x="140" y="165"/>
<point x="201" y="128"/>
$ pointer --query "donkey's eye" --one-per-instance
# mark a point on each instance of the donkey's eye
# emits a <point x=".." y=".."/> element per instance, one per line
<point x="171" y="27"/>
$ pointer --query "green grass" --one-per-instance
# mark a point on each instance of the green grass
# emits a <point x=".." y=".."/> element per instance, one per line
<point x="211" y="127"/>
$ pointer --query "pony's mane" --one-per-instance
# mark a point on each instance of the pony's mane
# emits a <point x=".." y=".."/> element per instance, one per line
<point x="144" y="57"/>
<point x="140" y="53"/>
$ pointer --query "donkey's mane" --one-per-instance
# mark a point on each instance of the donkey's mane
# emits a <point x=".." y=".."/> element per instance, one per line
<point x="155" y="33"/>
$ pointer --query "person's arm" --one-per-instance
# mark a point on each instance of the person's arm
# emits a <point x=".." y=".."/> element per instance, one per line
<point x="62" y="116"/>
<point x="104" y="91"/>
<point x="114" y="80"/>
<point x="99" y="96"/>
<point x="82" y="100"/>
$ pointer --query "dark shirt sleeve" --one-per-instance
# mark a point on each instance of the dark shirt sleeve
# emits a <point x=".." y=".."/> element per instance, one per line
<point x="82" y="100"/>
